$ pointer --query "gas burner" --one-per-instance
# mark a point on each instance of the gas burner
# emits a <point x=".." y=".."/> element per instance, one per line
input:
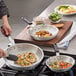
<point x="41" y="70"/>
<point x="47" y="72"/>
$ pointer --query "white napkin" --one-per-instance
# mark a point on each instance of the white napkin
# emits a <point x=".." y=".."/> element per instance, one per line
<point x="63" y="44"/>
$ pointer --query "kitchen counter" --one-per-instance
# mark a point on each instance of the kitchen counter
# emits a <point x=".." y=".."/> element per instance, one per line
<point x="72" y="46"/>
<point x="49" y="9"/>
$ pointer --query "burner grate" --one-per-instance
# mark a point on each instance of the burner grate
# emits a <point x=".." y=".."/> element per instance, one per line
<point x="41" y="70"/>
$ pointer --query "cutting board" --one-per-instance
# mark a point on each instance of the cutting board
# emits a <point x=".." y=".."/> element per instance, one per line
<point x="25" y="37"/>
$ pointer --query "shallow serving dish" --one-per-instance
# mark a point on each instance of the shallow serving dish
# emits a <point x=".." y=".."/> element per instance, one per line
<point x="50" y="28"/>
<point x="73" y="9"/>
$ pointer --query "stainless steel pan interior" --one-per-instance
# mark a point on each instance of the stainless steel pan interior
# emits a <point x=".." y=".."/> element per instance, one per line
<point x="23" y="48"/>
<point x="59" y="57"/>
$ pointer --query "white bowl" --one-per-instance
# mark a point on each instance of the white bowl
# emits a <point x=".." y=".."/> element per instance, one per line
<point x="50" y="28"/>
<point x="57" y="21"/>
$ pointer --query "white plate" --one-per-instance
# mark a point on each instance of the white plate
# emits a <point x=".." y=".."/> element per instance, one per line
<point x="56" y="9"/>
<point x="50" y="28"/>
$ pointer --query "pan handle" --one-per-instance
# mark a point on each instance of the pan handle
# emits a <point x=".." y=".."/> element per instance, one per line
<point x="25" y="20"/>
<point x="56" y="49"/>
<point x="9" y="37"/>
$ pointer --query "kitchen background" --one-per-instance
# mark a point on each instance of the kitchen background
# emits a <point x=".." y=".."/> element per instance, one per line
<point x="30" y="9"/>
<point x="18" y="8"/>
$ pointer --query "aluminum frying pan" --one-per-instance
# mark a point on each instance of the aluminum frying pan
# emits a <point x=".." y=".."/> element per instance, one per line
<point x="21" y="48"/>
<point x="59" y="57"/>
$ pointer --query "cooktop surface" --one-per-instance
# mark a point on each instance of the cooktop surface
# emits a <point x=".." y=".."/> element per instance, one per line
<point x="40" y="70"/>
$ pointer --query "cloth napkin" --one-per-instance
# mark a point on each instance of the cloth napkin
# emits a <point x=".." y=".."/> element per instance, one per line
<point x="63" y="44"/>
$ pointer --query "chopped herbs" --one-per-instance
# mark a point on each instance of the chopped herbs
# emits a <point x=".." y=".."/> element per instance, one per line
<point x="63" y="7"/>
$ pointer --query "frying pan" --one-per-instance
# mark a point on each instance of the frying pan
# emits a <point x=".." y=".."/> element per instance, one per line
<point x="59" y="57"/>
<point x="23" y="48"/>
<point x="16" y="49"/>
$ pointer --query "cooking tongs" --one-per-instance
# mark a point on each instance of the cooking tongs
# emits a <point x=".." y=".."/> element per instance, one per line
<point x="10" y="57"/>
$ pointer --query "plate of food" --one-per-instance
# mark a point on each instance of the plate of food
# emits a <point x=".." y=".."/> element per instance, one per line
<point x="43" y="32"/>
<point x="66" y="9"/>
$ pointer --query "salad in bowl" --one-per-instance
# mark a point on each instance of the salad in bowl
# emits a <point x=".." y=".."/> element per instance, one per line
<point x="55" y="17"/>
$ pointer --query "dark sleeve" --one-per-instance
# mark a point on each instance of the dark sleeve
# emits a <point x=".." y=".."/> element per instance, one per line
<point x="3" y="9"/>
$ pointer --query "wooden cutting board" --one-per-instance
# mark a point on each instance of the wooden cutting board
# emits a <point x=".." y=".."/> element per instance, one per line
<point x="25" y="37"/>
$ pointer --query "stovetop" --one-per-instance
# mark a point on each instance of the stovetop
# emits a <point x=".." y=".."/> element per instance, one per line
<point x="41" y="70"/>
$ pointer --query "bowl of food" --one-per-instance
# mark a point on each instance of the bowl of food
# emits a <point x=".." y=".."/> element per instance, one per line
<point x="44" y="32"/>
<point x="55" y="17"/>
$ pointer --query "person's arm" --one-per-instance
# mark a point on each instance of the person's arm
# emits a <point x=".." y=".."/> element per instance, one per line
<point x="6" y="25"/>
<point x="4" y="16"/>
<point x="3" y="9"/>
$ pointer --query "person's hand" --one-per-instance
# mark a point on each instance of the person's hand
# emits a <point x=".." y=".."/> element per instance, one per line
<point x="6" y="26"/>
<point x="29" y="26"/>
<point x="2" y="53"/>
<point x="7" y="29"/>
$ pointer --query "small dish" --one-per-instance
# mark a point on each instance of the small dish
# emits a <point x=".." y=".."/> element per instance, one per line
<point x="38" y="20"/>
<point x="50" y="28"/>
<point x="55" y="17"/>
<point x="66" y="9"/>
